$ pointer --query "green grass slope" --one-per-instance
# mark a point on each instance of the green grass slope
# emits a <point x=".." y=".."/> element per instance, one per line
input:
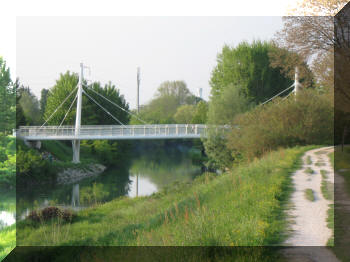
<point x="7" y="191"/>
<point x="341" y="163"/>
<point x="7" y="241"/>
<point x="239" y="208"/>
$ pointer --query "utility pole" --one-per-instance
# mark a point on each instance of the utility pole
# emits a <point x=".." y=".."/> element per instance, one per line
<point x="76" y="143"/>
<point x="200" y="92"/>
<point x="138" y="90"/>
<point x="296" y="82"/>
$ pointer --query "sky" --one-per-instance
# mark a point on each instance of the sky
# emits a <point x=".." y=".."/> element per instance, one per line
<point x="182" y="44"/>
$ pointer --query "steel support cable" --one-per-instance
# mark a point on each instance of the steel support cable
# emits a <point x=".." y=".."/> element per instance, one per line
<point x="277" y="95"/>
<point x="59" y="106"/>
<point x="70" y="107"/>
<point x="117" y="105"/>
<point x="103" y="108"/>
<point x="284" y="98"/>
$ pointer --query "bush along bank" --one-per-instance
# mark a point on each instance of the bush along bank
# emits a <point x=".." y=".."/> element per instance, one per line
<point x="7" y="163"/>
<point x="307" y="120"/>
<point x="52" y="163"/>
<point x="242" y="207"/>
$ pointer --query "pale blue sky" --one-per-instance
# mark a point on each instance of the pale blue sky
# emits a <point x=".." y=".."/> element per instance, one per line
<point x="166" y="48"/>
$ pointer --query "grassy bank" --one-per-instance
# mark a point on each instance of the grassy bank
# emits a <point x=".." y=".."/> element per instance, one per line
<point x="239" y="208"/>
<point x="7" y="240"/>
<point x="341" y="162"/>
<point x="7" y="191"/>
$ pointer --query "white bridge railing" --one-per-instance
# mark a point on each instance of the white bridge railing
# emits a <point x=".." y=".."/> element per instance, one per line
<point x="111" y="132"/>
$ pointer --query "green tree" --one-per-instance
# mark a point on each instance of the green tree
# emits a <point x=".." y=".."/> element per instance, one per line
<point x="43" y="100"/>
<point x="247" y="67"/>
<point x="20" y="118"/>
<point x="177" y="89"/>
<point x="7" y="99"/>
<point x="29" y="105"/>
<point x="160" y="110"/>
<point x="200" y="115"/>
<point x="92" y="114"/>
<point x="223" y="109"/>
<point x="63" y="87"/>
<point x="226" y="105"/>
<point x="184" y="114"/>
<point x="163" y="107"/>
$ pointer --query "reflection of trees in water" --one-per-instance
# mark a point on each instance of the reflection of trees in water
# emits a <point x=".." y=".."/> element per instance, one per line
<point x="104" y="187"/>
<point x="161" y="164"/>
<point x="111" y="184"/>
<point x="164" y="166"/>
<point x="7" y="206"/>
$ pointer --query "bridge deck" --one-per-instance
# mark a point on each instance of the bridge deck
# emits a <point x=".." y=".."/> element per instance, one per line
<point x="112" y="132"/>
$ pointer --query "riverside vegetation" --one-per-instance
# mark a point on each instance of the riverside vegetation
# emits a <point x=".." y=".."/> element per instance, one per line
<point x="340" y="211"/>
<point x="7" y="233"/>
<point x="243" y="207"/>
<point x="7" y="192"/>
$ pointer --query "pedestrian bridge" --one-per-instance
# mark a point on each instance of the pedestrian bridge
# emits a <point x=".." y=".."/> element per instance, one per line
<point x="111" y="132"/>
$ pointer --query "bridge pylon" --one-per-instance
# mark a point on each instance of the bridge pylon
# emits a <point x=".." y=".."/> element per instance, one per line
<point x="76" y="143"/>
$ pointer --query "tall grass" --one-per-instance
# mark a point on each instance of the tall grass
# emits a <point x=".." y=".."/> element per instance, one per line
<point x="7" y="240"/>
<point x="341" y="213"/>
<point x="243" y="207"/>
<point x="327" y="189"/>
<point x="309" y="194"/>
<point x="7" y="192"/>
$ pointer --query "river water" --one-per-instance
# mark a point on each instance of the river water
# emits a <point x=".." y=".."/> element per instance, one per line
<point x="7" y="208"/>
<point x="146" y="174"/>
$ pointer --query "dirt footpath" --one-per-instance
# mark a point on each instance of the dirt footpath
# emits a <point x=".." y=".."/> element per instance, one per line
<point x="309" y="218"/>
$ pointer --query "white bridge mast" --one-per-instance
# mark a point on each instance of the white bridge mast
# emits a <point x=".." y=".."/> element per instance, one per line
<point x="76" y="143"/>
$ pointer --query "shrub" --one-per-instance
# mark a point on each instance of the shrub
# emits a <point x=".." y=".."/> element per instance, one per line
<point x="219" y="156"/>
<point x="49" y="213"/>
<point x="304" y="121"/>
<point x="31" y="168"/>
<point x="3" y="156"/>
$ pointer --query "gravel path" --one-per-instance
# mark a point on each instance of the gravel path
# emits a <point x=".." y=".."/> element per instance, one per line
<point x="310" y="227"/>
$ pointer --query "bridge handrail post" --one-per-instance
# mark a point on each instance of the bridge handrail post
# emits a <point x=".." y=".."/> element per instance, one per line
<point x="177" y="129"/>
<point x="196" y="129"/>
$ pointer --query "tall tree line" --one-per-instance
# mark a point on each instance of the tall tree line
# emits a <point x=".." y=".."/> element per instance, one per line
<point x="7" y="99"/>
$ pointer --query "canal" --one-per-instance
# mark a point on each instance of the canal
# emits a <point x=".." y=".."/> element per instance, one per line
<point x="147" y="172"/>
